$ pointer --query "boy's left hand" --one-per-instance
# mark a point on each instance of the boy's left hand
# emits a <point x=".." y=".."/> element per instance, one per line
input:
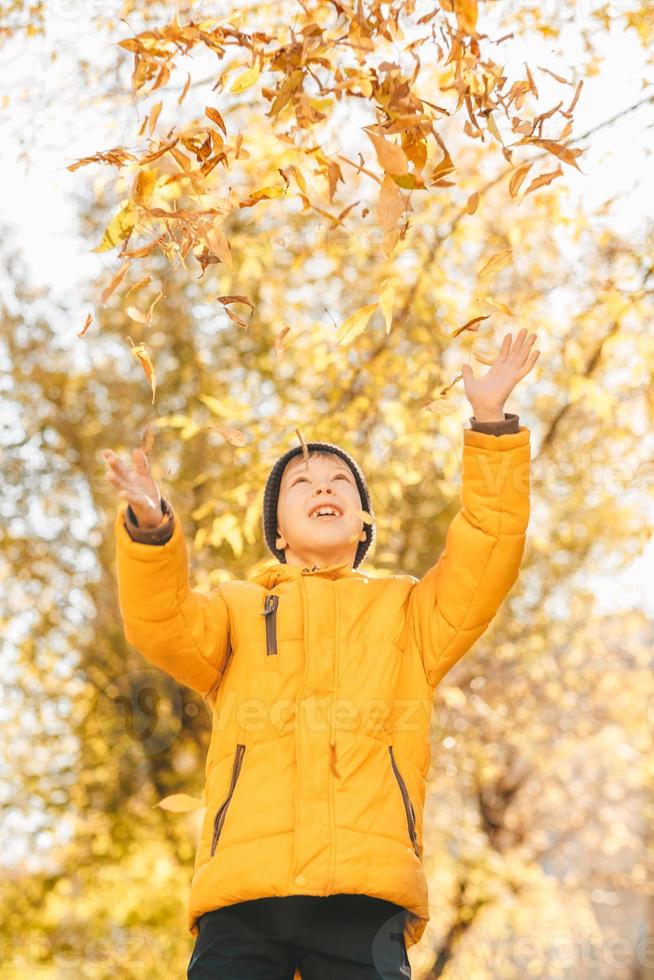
<point x="488" y="394"/>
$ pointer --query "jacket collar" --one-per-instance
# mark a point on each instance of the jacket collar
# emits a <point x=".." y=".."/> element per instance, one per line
<point x="275" y="572"/>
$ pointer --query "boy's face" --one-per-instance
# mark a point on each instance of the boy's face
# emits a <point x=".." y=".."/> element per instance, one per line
<point x="306" y="540"/>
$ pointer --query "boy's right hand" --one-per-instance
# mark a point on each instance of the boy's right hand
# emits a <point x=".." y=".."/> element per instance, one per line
<point x="136" y="485"/>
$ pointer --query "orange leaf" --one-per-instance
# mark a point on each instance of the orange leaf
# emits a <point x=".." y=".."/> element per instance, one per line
<point x="390" y="204"/>
<point x="470" y="325"/>
<point x="562" y="152"/>
<point x="215" y="116"/>
<point x="117" y="279"/>
<point x="154" y="115"/>
<point x="518" y="177"/>
<point x="473" y="203"/>
<point x="140" y="352"/>
<point x="543" y="180"/>
<point x="391" y="157"/>
<point x="89" y="321"/>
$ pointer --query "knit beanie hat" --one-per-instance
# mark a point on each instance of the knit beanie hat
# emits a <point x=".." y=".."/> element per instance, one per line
<point x="271" y="498"/>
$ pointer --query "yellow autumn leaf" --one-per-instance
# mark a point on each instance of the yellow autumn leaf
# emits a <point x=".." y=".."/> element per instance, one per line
<point x="355" y="324"/>
<point x="119" y="228"/>
<point x="496" y="262"/>
<point x="246" y="79"/>
<point x="499" y="306"/>
<point x="386" y="301"/>
<point x="179" y="803"/>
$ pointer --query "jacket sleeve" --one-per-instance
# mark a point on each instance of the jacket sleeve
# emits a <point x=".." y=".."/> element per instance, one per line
<point x="454" y="602"/>
<point x="183" y="631"/>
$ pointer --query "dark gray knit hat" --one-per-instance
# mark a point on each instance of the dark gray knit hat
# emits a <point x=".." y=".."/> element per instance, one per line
<point x="271" y="498"/>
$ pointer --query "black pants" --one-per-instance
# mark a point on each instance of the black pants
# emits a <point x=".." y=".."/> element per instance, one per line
<point x="337" y="937"/>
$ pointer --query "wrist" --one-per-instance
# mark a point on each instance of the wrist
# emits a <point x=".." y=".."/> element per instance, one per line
<point x="488" y="413"/>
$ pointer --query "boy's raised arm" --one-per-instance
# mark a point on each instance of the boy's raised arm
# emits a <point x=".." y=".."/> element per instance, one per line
<point x="457" y="598"/>
<point x="454" y="602"/>
<point x="180" y="630"/>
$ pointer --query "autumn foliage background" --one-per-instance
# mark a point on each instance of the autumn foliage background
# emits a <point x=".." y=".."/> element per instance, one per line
<point x="304" y="217"/>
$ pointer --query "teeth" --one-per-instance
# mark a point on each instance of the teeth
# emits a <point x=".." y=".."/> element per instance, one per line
<point x="325" y="511"/>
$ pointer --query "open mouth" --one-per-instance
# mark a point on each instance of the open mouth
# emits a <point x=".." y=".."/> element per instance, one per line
<point x="324" y="514"/>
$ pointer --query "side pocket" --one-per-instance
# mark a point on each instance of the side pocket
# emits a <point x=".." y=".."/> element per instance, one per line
<point x="270" y="612"/>
<point x="408" y="805"/>
<point x="219" y="819"/>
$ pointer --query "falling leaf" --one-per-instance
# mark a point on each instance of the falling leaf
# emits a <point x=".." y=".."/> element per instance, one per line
<point x="305" y="451"/>
<point x="246" y="79"/>
<point x="473" y="203"/>
<point x="87" y="324"/>
<point x="562" y="152"/>
<point x="364" y="516"/>
<point x="496" y="262"/>
<point x="180" y="803"/>
<point x="279" y="348"/>
<point x="115" y="282"/>
<point x="185" y="89"/>
<point x="140" y="352"/>
<point x="499" y="306"/>
<point x="443" y="392"/>
<point x="518" y="177"/>
<point x="119" y="228"/>
<point x="136" y="315"/>
<point x="154" y="115"/>
<point x="355" y="324"/>
<point x="466" y="15"/>
<point x="441" y="406"/>
<point x="219" y="245"/>
<point x="215" y="116"/>
<point x="470" y="325"/>
<point x="390" y="204"/>
<point x="138" y="285"/>
<point x="391" y="157"/>
<point x="233" y="436"/>
<point x="543" y="180"/>
<point x="386" y="301"/>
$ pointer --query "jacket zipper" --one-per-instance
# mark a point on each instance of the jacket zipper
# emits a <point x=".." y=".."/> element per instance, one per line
<point x="219" y="819"/>
<point x="270" y="612"/>
<point x="408" y="805"/>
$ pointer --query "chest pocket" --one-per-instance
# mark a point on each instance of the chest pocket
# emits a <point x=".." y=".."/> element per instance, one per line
<point x="271" y="602"/>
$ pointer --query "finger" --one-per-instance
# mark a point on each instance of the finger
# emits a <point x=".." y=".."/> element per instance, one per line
<point x="141" y="462"/>
<point x="504" y="349"/>
<point x="519" y="340"/>
<point x="117" y="465"/>
<point x="526" y="347"/>
<point x="530" y="363"/>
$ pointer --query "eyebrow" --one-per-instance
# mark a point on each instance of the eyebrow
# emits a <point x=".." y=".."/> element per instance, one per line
<point x="295" y="472"/>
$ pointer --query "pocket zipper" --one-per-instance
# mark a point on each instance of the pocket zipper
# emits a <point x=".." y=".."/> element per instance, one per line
<point x="270" y="612"/>
<point x="408" y="805"/>
<point x="219" y="819"/>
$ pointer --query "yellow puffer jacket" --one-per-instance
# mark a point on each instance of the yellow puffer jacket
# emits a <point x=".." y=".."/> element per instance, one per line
<point x="321" y="686"/>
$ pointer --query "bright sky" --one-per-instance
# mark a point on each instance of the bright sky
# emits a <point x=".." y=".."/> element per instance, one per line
<point x="42" y="198"/>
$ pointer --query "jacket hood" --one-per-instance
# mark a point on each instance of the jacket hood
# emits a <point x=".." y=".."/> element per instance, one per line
<point x="276" y="572"/>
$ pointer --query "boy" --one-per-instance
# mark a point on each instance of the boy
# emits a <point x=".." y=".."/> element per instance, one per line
<point x="321" y="683"/>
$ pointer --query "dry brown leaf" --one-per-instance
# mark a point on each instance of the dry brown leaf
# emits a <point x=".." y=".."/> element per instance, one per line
<point x="473" y="203"/>
<point x="154" y="115"/>
<point x="543" y="180"/>
<point x="470" y="325"/>
<point x="115" y="282"/>
<point x="390" y="204"/>
<point x="140" y="352"/>
<point x="87" y="324"/>
<point x="564" y="153"/>
<point x="305" y="451"/>
<point x="517" y="178"/>
<point x="391" y="157"/>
